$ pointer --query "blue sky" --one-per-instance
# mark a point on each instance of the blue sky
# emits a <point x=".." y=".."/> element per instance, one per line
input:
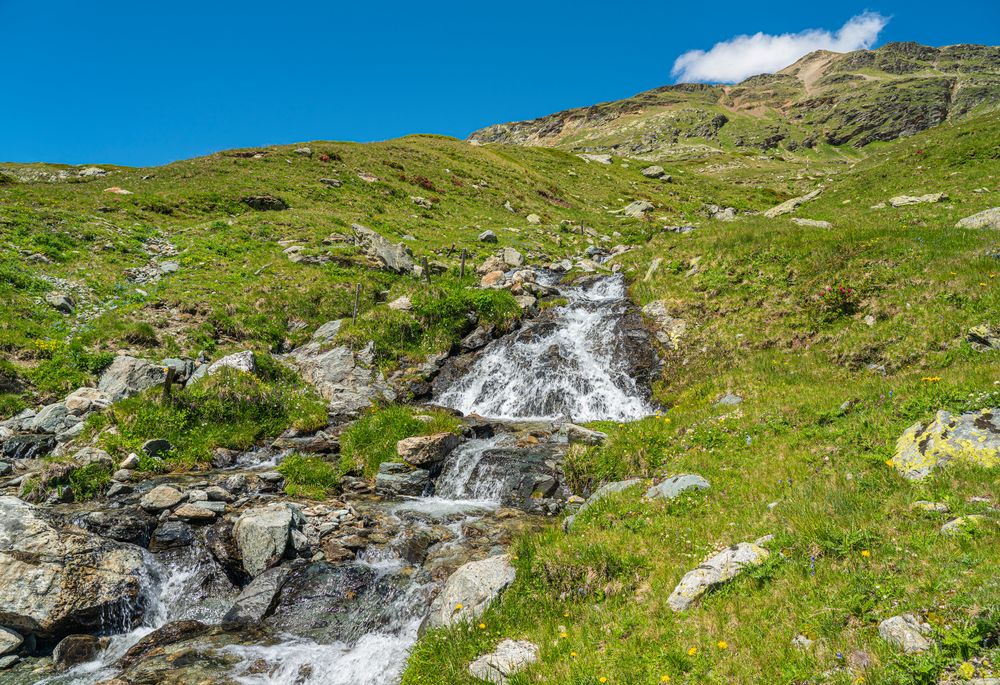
<point x="149" y="82"/>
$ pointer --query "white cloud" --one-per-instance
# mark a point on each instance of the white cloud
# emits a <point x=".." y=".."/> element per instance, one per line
<point x="742" y="56"/>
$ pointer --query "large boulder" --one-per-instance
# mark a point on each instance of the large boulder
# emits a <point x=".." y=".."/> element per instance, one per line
<point x="674" y="486"/>
<point x="244" y="362"/>
<point x="904" y="200"/>
<point x="973" y="437"/>
<point x="57" y="581"/>
<point x="719" y="569"/>
<point x="469" y="591"/>
<point x="425" y="451"/>
<point x="74" y="650"/>
<point x="129" y="376"/>
<point x="907" y="633"/>
<point x="789" y="206"/>
<point x="605" y="490"/>
<point x="262" y="535"/>
<point x="397" y="258"/>
<point x="257" y="600"/>
<point x="508" y="658"/>
<point x="401" y="480"/>
<point x="988" y="218"/>
<point x="346" y="379"/>
<point x="984" y="338"/>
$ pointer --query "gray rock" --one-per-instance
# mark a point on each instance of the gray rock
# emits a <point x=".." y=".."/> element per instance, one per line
<point x="675" y="485"/>
<point x="667" y="329"/>
<point x="156" y="448"/>
<point x="811" y="223"/>
<point x="160" y="498"/>
<point x="401" y="304"/>
<point x="347" y="380"/>
<point x="984" y="338"/>
<point x="262" y="535"/>
<point x="56" y="581"/>
<point x="904" y="200"/>
<point x="729" y="400"/>
<point x="907" y="633"/>
<point x="10" y="641"/>
<point x="789" y="206"/>
<point x="605" y="490"/>
<point x="654" y="172"/>
<point x="584" y="436"/>
<point x="257" y="600"/>
<point x="533" y="219"/>
<point x="52" y="418"/>
<point x="27" y="446"/>
<point x="802" y="642"/>
<point x="397" y="258"/>
<point x="130" y="462"/>
<point x="194" y="513"/>
<point x="477" y="339"/>
<point x="91" y="172"/>
<point x="721" y="213"/>
<point x="244" y="362"/>
<point x="396" y="480"/>
<point x="508" y="658"/>
<point x="425" y="451"/>
<point x="988" y="218"/>
<point x="600" y="159"/>
<point x="638" y="209"/>
<point x="331" y="182"/>
<point x="469" y="591"/>
<point x="304" y="151"/>
<point x="487" y="237"/>
<point x="963" y="524"/>
<point x="129" y="376"/>
<point x="512" y="257"/>
<point x="719" y="569"/>
<point x="8" y="661"/>
<point x="924" y="505"/>
<point x="217" y="507"/>
<point x="84" y="401"/>
<point x="61" y="302"/>
<point x="972" y="438"/>
<point x="74" y="650"/>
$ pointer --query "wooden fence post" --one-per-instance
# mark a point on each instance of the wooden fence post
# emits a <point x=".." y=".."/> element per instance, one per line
<point x="168" y="380"/>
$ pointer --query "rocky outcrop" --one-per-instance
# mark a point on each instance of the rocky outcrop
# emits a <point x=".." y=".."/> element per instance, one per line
<point x="469" y="592"/>
<point x="244" y="362"/>
<point x="674" y="486"/>
<point x="719" y="569"/>
<point x="789" y="206"/>
<point x="508" y="658"/>
<point x="988" y="218"/>
<point x="396" y="258"/>
<point x="129" y="376"/>
<point x="605" y="490"/>
<point x="907" y="633"/>
<point x="666" y="328"/>
<point x="346" y="379"/>
<point x="59" y="580"/>
<point x="905" y="200"/>
<point x="984" y="338"/>
<point x="972" y="437"/>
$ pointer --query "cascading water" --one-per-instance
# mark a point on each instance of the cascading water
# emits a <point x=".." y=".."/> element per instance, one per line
<point x="568" y="366"/>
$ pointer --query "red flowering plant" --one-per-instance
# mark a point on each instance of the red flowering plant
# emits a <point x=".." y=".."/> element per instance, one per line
<point x="837" y="301"/>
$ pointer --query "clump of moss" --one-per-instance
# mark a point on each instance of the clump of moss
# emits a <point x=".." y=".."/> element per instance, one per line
<point x="309" y="476"/>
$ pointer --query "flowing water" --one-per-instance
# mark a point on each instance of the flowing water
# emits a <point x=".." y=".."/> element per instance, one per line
<point x="569" y="366"/>
<point x="566" y="366"/>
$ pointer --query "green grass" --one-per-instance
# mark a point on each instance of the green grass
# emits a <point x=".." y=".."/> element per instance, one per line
<point x="371" y="440"/>
<point x="309" y="477"/>
<point x="229" y="409"/>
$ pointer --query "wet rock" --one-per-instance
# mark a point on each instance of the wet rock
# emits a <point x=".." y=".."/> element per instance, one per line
<point x="487" y="237"/>
<point x="676" y="485"/>
<point x="988" y="218"/>
<point x="160" y="498"/>
<point x="27" y="446"/>
<point x="973" y="438"/>
<point x="984" y="338"/>
<point x="395" y="480"/>
<point x="129" y="376"/>
<point x="396" y="258"/>
<point x="221" y="544"/>
<point x="789" y="206"/>
<point x="73" y="650"/>
<point x="904" y="200"/>
<point x="584" y="436"/>
<point x="10" y="641"/>
<point x="477" y="339"/>
<point x="347" y="380"/>
<point x="334" y="552"/>
<point x="719" y="569"/>
<point x="55" y="581"/>
<point x="508" y="658"/>
<point x="262" y="536"/>
<point x="964" y="524"/>
<point x="171" y="535"/>
<point x="424" y="451"/>
<point x="129" y="524"/>
<point x="169" y="634"/>
<point x="605" y="490"/>
<point x="469" y="592"/>
<point x="654" y="172"/>
<point x="907" y="633"/>
<point x="257" y="600"/>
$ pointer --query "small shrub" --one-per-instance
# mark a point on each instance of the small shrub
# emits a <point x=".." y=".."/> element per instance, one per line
<point x="836" y="302"/>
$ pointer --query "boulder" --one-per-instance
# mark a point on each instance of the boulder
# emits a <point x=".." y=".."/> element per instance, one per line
<point x="508" y="658"/>
<point x="57" y="581"/>
<point x="346" y="379"/>
<point x="257" y="600"/>
<point x="303" y="151"/>
<point x="600" y="159"/>
<point x="585" y="436"/>
<point x="906" y="632"/>
<point x="129" y="376"/>
<point x="60" y="302"/>
<point x="401" y="304"/>
<point x="160" y="498"/>
<point x="789" y="206"/>
<point x="262" y="536"/>
<point x="194" y="513"/>
<point x="397" y="480"/>
<point x="984" y="338"/>
<point x="396" y="258"/>
<point x="425" y="451"/>
<point x="654" y="172"/>
<point x="487" y="237"/>
<point x="244" y="362"/>
<point x="469" y="591"/>
<point x="963" y="524"/>
<point x="605" y="490"/>
<point x="904" y="200"/>
<point x="719" y="569"/>
<point x="676" y="485"/>
<point x="512" y="257"/>
<point x="667" y="329"/>
<point x="973" y="437"/>
<point x="988" y="218"/>
<point x="74" y="650"/>
<point x="533" y="219"/>
<point x="83" y="401"/>
<point x="812" y="223"/>
<point x="721" y="213"/>
<point x="158" y="639"/>
<point x="264" y="203"/>
<point x="10" y="641"/>
<point x="638" y="209"/>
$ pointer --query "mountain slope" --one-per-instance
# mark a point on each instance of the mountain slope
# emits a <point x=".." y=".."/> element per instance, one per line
<point x="825" y="98"/>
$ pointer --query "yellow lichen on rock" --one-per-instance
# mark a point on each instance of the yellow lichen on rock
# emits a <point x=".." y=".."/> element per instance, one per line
<point x="973" y="437"/>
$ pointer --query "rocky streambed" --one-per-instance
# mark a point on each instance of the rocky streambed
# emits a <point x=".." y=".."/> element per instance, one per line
<point x="220" y="577"/>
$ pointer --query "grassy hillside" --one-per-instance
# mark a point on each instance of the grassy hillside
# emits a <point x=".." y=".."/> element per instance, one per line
<point x="826" y="394"/>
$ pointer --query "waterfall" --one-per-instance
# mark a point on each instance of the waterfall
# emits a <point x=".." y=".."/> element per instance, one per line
<point x="568" y="365"/>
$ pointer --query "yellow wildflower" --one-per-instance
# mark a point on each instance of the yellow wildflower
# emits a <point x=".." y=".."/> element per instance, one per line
<point x="458" y="607"/>
<point x="664" y="679"/>
<point x="865" y="553"/>
<point x="482" y="626"/>
<point x="573" y="654"/>
<point x="722" y="644"/>
<point x="602" y="679"/>
<point x="563" y="635"/>
<point x="966" y="670"/>
<point x="692" y="651"/>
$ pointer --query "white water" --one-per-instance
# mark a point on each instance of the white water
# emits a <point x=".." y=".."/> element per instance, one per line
<point x="567" y="368"/>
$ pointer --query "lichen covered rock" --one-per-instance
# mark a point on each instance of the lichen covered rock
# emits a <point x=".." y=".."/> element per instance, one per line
<point x="972" y="437"/>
